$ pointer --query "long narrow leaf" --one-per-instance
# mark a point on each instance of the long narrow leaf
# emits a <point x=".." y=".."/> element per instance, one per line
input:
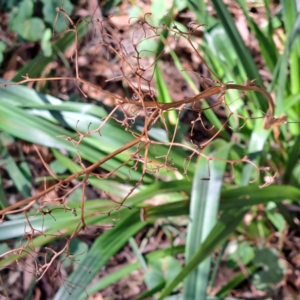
<point x="266" y="43"/>
<point x="224" y="227"/>
<point x="105" y="246"/>
<point x="203" y="214"/>
<point x="121" y="273"/>
<point x="240" y="48"/>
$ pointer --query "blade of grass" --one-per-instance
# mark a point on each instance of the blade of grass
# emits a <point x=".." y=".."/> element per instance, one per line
<point x="151" y="292"/>
<point x="238" y="279"/>
<point x="19" y="179"/>
<point x="199" y="7"/>
<point x="242" y="51"/>
<point x="224" y="227"/>
<point x="209" y="114"/>
<point x="267" y="46"/>
<point x="256" y="144"/>
<point x="222" y="56"/>
<point x="291" y="16"/>
<point x="138" y="254"/>
<point x="122" y="272"/>
<point x="285" y="85"/>
<point x="3" y="199"/>
<point x="269" y="18"/>
<point x="217" y="265"/>
<point x="104" y="247"/>
<point x="176" y="209"/>
<point x="293" y="158"/>
<point x="204" y="208"/>
<point x="164" y="97"/>
<point x="251" y="195"/>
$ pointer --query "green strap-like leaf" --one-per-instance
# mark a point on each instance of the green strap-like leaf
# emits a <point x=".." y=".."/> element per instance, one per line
<point x="204" y="209"/>
<point x="224" y="227"/>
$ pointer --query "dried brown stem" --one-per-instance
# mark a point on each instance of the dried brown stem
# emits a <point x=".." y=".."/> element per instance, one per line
<point x="144" y="105"/>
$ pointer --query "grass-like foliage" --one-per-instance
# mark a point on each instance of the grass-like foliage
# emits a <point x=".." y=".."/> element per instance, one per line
<point x="137" y="149"/>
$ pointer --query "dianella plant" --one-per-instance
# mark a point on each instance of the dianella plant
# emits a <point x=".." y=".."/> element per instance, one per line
<point x="219" y="169"/>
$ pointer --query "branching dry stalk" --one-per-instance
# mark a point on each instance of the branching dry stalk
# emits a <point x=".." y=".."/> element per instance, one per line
<point x="142" y="105"/>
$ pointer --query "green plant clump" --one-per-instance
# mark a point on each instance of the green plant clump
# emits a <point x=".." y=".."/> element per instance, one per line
<point x="217" y="171"/>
